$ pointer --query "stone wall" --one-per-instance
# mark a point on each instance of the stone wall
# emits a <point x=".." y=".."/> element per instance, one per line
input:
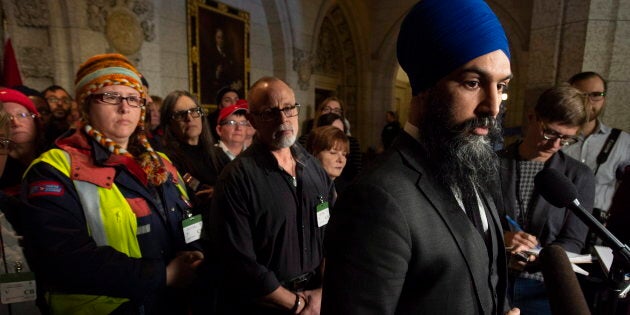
<point x="549" y="40"/>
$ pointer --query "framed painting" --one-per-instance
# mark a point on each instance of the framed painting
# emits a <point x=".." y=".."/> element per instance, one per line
<point x="218" y="50"/>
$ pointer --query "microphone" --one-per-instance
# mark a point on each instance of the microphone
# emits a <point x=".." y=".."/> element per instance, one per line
<point x="559" y="191"/>
<point x="563" y="288"/>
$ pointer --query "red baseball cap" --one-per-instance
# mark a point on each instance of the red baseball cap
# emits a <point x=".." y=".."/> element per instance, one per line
<point x="13" y="96"/>
<point x="241" y="105"/>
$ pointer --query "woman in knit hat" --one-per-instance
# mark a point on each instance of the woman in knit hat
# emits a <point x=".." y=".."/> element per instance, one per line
<point x="105" y="211"/>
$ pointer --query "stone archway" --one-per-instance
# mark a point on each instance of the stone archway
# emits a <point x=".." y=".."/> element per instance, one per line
<point x="335" y="66"/>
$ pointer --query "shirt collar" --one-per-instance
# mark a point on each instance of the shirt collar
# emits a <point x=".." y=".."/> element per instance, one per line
<point x="601" y="127"/>
<point x="226" y="150"/>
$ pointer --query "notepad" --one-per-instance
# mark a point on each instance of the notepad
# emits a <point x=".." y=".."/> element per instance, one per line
<point x="573" y="258"/>
<point x="605" y="255"/>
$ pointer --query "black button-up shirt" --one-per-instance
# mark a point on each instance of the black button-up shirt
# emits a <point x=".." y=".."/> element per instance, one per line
<point x="263" y="228"/>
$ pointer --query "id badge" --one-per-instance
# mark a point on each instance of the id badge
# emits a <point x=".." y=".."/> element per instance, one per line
<point x="323" y="214"/>
<point x="192" y="228"/>
<point x="17" y="287"/>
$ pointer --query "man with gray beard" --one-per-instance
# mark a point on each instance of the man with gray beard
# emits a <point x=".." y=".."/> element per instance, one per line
<point x="419" y="233"/>
<point x="269" y="211"/>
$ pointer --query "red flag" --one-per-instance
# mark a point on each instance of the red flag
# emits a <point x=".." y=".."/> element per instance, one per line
<point x="11" y="75"/>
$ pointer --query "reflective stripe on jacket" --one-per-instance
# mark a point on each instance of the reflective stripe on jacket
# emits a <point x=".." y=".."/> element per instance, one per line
<point x="110" y="221"/>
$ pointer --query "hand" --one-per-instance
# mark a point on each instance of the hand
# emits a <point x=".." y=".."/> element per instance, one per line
<point x="180" y="272"/>
<point x="205" y="192"/>
<point x="520" y="241"/>
<point x="514" y="311"/>
<point x="313" y="300"/>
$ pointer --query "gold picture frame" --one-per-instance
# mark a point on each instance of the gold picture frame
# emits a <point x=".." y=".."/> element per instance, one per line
<point x="218" y="50"/>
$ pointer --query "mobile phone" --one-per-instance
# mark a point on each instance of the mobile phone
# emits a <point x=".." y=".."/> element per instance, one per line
<point x="522" y="256"/>
<point x="191" y="182"/>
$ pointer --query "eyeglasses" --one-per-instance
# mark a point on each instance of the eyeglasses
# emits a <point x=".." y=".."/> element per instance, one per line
<point x="55" y="100"/>
<point x="552" y="135"/>
<point x="5" y="143"/>
<point x="116" y="99"/>
<point x="22" y="116"/>
<point x="181" y="115"/>
<point x="234" y="123"/>
<point x="327" y="109"/>
<point x="271" y="113"/>
<point x="595" y="96"/>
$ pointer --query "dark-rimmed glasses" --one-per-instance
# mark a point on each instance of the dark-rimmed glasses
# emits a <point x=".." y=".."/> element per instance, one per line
<point x="235" y="123"/>
<point x="271" y="113"/>
<point x="552" y="135"/>
<point x="328" y="109"/>
<point x="116" y="99"/>
<point x="595" y="96"/>
<point x="181" y="115"/>
<point x="56" y="100"/>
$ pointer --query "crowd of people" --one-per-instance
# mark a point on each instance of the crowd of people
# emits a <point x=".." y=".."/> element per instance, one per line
<point x="115" y="201"/>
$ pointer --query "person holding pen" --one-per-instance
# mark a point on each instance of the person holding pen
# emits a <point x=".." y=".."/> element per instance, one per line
<point x="517" y="228"/>
<point x="529" y="221"/>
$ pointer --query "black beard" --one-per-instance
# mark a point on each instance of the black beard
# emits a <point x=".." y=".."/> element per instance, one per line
<point x="458" y="157"/>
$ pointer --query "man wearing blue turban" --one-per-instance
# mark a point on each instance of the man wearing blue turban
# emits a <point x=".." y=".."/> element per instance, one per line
<point x="419" y="233"/>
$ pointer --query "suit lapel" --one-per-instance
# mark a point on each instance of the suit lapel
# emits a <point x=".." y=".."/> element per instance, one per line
<point x="471" y="245"/>
<point x="497" y="246"/>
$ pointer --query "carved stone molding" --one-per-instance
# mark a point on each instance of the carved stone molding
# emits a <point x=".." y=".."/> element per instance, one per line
<point x="32" y="13"/>
<point x="329" y="51"/>
<point x="143" y="12"/>
<point x="123" y="31"/>
<point x="303" y="64"/>
<point x="35" y="63"/>
<point x="97" y="13"/>
<point x="336" y="57"/>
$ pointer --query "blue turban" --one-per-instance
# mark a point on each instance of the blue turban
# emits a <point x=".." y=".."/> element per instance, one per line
<point x="439" y="36"/>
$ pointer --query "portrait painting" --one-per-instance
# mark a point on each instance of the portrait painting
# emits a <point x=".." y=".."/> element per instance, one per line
<point x="218" y="49"/>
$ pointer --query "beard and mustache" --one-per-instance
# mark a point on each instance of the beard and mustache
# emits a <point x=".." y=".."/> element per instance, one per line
<point x="280" y="140"/>
<point x="459" y="158"/>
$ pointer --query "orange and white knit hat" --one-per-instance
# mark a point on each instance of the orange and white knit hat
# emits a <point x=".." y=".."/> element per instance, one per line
<point x="115" y="69"/>
<point x="104" y="70"/>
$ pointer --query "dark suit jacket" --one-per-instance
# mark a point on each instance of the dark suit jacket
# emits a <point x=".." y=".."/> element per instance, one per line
<point x="548" y="223"/>
<point x="398" y="243"/>
<point x="620" y="209"/>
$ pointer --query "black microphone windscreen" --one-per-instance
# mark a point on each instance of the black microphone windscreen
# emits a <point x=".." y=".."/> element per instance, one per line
<point x="556" y="188"/>
<point x="621" y="169"/>
<point x="563" y="288"/>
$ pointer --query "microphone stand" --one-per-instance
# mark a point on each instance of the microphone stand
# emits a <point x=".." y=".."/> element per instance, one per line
<point x="617" y="286"/>
<point x="618" y="280"/>
<point x="560" y="192"/>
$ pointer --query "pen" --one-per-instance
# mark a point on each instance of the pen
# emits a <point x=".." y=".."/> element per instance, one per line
<point x="516" y="226"/>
